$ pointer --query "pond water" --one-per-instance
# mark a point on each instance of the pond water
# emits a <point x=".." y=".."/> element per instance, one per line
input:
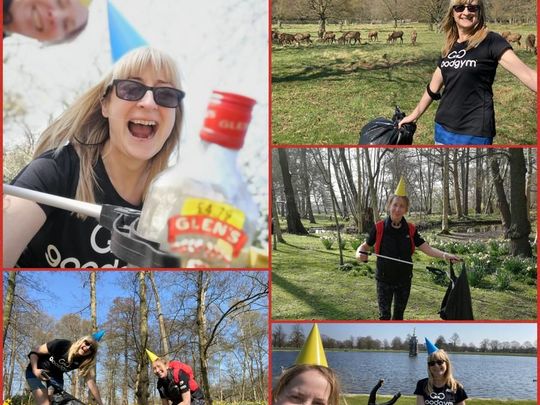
<point x="478" y="229"/>
<point x="483" y="376"/>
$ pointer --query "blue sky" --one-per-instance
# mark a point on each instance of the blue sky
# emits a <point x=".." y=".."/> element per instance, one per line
<point x="468" y="332"/>
<point x="62" y="292"/>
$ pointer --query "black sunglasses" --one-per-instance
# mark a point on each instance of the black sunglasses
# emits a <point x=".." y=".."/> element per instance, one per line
<point x="473" y="8"/>
<point x="130" y="90"/>
<point x="438" y="362"/>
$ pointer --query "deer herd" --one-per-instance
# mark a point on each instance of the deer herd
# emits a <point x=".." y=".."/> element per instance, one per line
<point x="353" y="38"/>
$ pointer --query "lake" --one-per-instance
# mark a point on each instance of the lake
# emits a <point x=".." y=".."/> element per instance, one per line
<point x="483" y="376"/>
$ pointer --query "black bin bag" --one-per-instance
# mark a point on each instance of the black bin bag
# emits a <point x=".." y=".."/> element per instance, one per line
<point x="382" y="131"/>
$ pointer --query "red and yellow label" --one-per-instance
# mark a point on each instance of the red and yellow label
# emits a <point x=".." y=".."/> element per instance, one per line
<point x="220" y="221"/>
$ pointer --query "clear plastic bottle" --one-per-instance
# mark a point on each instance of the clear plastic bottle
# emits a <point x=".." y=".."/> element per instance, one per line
<point x="201" y="208"/>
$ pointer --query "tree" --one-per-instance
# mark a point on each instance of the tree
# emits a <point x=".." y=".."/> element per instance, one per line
<point x="278" y="336"/>
<point x="8" y="303"/>
<point x="446" y="192"/>
<point x="520" y="227"/>
<point x="297" y="337"/>
<point x="431" y="11"/>
<point x="141" y="385"/>
<point x="454" y="339"/>
<point x="320" y="8"/>
<point x="305" y="180"/>
<point x="394" y="9"/>
<point x="498" y="183"/>
<point x="294" y="224"/>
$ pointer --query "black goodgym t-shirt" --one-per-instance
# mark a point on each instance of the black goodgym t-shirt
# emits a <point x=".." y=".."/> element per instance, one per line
<point x="56" y="362"/>
<point x="64" y="240"/>
<point x="440" y="395"/>
<point x="466" y="106"/>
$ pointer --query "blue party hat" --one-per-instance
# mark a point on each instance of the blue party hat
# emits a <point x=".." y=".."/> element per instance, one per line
<point x="122" y="35"/>
<point x="431" y="348"/>
<point x="98" y="335"/>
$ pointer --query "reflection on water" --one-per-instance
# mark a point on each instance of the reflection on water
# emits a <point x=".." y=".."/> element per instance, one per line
<point x="511" y="377"/>
<point x="478" y="229"/>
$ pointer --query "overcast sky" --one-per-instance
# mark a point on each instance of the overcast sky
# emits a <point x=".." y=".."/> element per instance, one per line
<point x="218" y="45"/>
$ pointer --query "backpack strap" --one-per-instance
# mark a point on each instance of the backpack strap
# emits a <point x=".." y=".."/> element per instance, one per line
<point x="412" y="231"/>
<point x="379" y="227"/>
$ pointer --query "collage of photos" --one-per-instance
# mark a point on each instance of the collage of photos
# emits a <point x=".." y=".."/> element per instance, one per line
<point x="285" y="202"/>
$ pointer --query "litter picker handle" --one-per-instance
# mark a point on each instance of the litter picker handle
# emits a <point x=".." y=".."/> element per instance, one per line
<point x="365" y="253"/>
<point x="126" y="244"/>
<point x="81" y="207"/>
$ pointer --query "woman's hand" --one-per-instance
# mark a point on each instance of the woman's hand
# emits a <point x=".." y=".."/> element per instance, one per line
<point x="41" y="374"/>
<point x="408" y="119"/>
<point x="451" y="257"/>
<point x="362" y="257"/>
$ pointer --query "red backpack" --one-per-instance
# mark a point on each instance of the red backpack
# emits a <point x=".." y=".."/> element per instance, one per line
<point x="379" y="226"/>
<point x="176" y="367"/>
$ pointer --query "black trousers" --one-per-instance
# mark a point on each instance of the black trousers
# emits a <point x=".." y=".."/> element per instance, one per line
<point x="386" y="293"/>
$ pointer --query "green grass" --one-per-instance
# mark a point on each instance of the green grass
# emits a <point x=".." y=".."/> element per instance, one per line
<point x="307" y="283"/>
<point x="411" y="400"/>
<point x="325" y="93"/>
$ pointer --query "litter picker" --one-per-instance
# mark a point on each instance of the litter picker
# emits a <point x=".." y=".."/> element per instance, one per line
<point x="386" y="257"/>
<point x="126" y="243"/>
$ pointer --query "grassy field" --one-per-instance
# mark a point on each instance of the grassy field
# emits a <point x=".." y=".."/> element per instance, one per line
<point x="411" y="400"/>
<point x="307" y="283"/>
<point x="325" y="93"/>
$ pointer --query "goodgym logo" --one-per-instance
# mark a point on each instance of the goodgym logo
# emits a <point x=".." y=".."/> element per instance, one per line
<point x="455" y="60"/>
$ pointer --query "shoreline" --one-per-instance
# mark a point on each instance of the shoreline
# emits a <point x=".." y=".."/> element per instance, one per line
<point x="286" y="349"/>
<point x="357" y="399"/>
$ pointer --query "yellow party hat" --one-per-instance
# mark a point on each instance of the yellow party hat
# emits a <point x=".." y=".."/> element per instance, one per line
<point x="400" y="189"/>
<point x="85" y="3"/>
<point x="151" y="356"/>
<point x="313" y="350"/>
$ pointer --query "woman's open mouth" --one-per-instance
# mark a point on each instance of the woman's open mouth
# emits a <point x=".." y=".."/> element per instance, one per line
<point x="142" y="129"/>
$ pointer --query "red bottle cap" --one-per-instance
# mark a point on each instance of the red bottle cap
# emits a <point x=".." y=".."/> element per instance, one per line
<point x="227" y="119"/>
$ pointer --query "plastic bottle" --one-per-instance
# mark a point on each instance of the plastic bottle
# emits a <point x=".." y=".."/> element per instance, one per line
<point x="201" y="208"/>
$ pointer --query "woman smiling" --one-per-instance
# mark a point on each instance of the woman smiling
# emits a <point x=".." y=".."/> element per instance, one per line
<point x="466" y="69"/>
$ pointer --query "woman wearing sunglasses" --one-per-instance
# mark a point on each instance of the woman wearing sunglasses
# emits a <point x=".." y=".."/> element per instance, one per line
<point x="105" y="148"/>
<point x="52" y="21"/>
<point x="51" y="360"/>
<point x="470" y="56"/>
<point x="440" y="387"/>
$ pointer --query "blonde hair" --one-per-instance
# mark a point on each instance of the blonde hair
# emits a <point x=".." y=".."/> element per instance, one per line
<point x="449" y="27"/>
<point x="88" y="363"/>
<point x="291" y="373"/>
<point x="448" y="377"/>
<point x="83" y="125"/>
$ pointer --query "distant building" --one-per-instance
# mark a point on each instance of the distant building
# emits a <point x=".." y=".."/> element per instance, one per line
<point x="413" y="345"/>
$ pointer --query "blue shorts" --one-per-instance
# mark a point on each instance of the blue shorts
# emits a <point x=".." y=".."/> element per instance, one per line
<point x="36" y="384"/>
<point x="444" y="137"/>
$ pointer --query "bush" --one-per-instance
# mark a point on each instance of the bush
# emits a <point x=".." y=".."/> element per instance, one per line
<point x="481" y="261"/>
<point x="439" y="279"/>
<point x="355" y="243"/>
<point x="502" y="279"/>
<point x="522" y="267"/>
<point x="327" y="242"/>
<point x="498" y="248"/>
<point x="476" y="275"/>
<point x="514" y="265"/>
<point x="343" y="243"/>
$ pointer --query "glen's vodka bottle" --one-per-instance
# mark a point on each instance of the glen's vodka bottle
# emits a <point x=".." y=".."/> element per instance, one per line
<point x="201" y="208"/>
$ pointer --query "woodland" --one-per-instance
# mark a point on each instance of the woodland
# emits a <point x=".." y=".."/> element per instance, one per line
<point x="214" y="321"/>
<point x="477" y="203"/>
